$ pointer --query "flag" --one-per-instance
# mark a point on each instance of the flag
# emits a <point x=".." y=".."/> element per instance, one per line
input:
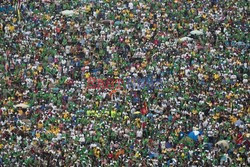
<point x="144" y="109"/>
<point x="19" y="14"/>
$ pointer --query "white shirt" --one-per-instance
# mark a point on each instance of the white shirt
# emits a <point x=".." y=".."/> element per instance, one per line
<point x="131" y="5"/>
<point x="139" y="133"/>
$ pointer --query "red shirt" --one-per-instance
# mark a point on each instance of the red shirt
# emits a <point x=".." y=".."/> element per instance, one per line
<point x="110" y="156"/>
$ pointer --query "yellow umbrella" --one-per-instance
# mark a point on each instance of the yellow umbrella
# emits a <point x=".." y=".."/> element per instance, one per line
<point x="22" y="105"/>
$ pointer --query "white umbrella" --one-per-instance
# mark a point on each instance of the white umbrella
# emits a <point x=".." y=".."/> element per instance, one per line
<point x="46" y="0"/>
<point x="93" y="145"/>
<point x="22" y="105"/>
<point x="185" y="39"/>
<point x="196" y="32"/>
<point x="223" y="144"/>
<point x="69" y="12"/>
<point x="27" y="122"/>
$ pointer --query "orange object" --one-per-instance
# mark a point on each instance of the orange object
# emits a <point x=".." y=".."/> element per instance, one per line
<point x="119" y="152"/>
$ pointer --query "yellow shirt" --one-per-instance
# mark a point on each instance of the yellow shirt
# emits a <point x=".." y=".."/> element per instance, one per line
<point x="47" y="17"/>
<point x="97" y="152"/>
<point x="210" y="104"/>
<point x="194" y="111"/>
<point x="195" y="27"/>
<point x="40" y="68"/>
<point x="148" y="36"/>
<point x="233" y="119"/>
<point x="11" y="127"/>
<point x="55" y="131"/>
<point x="35" y="73"/>
<point x="38" y="135"/>
<point x="216" y="116"/>
<point x="11" y="28"/>
<point x="87" y="75"/>
<point x="40" y="125"/>
<point x="228" y="96"/>
<point x="137" y="154"/>
<point x="216" y="76"/>
<point x="116" y="72"/>
<point x="164" y="151"/>
<point x="20" y="112"/>
<point x="204" y="16"/>
<point x="65" y="115"/>
<point x="88" y="8"/>
<point x="179" y="25"/>
<point x="23" y="128"/>
<point x="127" y="41"/>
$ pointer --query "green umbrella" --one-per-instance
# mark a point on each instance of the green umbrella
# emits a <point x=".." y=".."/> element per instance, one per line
<point x="187" y="141"/>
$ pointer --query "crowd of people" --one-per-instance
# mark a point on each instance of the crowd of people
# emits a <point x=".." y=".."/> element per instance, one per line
<point x="183" y="99"/>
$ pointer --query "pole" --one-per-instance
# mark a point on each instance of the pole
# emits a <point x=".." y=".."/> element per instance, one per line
<point x="18" y="9"/>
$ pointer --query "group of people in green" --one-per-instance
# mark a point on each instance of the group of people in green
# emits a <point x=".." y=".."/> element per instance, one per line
<point x="183" y="99"/>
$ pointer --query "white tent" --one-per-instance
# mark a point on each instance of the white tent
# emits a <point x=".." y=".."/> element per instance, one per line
<point x="185" y="39"/>
<point x="196" y="32"/>
<point x="223" y="144"/>
<point x="69" y="12"/>
<point x="22" y="105"/>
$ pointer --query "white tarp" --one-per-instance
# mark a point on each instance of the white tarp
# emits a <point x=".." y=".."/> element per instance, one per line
<point x="69" y="12"/>
<point x="196" y="32"/>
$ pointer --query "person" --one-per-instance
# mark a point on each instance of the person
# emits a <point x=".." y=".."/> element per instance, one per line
<point x="178" y="65"/>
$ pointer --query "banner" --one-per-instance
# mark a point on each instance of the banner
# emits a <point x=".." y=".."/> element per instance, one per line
<point x="109" y="83"/>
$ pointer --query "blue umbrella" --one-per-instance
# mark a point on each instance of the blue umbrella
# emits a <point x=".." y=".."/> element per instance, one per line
<point x="153" y="155"/>
<point x="150" y="115"/>
<point x="194" y="135"/>
<point x="117" y="22"/>
<point x="80" y="111"/>
<point x="240" y="43"/>
<point x="168" y="145"/>
<point x="238" y="122"/>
